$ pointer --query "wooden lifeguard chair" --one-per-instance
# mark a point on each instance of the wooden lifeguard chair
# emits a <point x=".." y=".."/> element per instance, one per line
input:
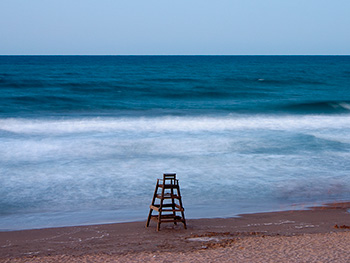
<point x="167" y="202"/>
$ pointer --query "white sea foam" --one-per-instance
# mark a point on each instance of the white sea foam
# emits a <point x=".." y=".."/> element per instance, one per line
<point x="62" y="165"/>
<point x="175" y="124"/>
<point x="345" y="105"/>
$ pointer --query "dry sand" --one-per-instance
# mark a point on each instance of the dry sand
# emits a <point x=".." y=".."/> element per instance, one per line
<point x="290" y="236"/>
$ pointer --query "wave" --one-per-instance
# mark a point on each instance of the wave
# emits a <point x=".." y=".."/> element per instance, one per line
<point x="43" y="99"/>
<point x="320" y="107"/>
<point x="172" y="80"/>
<point x="173" y="124"/>
<point x="263" y="81"/>
<point x="22" y="83"/>
<point x="101" y="162"/>
<point x="190" y="94"/>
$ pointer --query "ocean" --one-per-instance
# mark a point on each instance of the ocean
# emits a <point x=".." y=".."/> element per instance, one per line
<point x="84" y="138"/>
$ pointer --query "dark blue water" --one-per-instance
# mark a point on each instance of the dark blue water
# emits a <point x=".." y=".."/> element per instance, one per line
<point x="161" y="85"/>
<point x="83" y="138"/>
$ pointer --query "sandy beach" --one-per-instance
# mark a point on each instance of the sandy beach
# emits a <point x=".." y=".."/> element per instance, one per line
<point x="319" y="234"/>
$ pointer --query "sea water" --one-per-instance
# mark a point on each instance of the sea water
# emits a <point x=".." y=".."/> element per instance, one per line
<point x="84" y="138"/>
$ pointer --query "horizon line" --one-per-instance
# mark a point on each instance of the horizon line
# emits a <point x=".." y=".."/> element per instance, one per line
<point x="174" y="55"/>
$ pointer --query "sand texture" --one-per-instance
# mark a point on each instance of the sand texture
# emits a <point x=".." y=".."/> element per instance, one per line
<point x="316" y="235"/>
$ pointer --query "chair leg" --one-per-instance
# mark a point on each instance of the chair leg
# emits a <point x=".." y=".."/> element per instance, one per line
<point x="182" y="212"/>
<point x="153" y="200"/>
<point x="160" y="208"/>
<point x="158" y="224"/>
<point x="149" y="217"/>
<point x="173" y="204"/>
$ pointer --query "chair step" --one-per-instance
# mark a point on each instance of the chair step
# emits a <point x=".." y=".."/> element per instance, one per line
<point x="169" y="186"/>
<point x="157" y="208"/>
<point x="168" y="196"/>
<point x="168" y="219"/>
<point x="168" y="205"/>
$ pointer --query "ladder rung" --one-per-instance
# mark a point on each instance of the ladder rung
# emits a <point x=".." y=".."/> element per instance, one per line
<point x="168" y="218"/>
<point x="166" y="205"/>
<point x="157" y="208"/>
<point x="172" y="210"/>
<point x="166" y="210"/>
<point x="171" y="221"/>
<point x="168" y="186"/>
<point x="168" y="196"/>
<point x="154" y="208"/>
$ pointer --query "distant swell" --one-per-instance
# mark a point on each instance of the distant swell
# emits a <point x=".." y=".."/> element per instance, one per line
<point x="43" y="99"/>
<point x="320" y="107"/>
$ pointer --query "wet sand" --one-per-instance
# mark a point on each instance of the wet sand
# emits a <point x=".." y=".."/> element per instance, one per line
<point x="320" y="234"/>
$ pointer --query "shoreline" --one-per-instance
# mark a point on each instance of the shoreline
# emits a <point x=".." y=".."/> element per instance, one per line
<point x="129" y="241"/>
<point x="93" y="222"/>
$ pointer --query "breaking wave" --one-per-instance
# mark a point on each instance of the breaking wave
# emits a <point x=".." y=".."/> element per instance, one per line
<point x="321" y="107"/>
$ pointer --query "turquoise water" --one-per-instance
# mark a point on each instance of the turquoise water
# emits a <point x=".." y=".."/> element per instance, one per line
<point x="83" y="138"/>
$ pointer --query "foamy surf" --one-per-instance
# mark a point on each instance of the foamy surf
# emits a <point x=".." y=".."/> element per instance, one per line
<point x="173" y="124"/>
<point x="52" y="167"/>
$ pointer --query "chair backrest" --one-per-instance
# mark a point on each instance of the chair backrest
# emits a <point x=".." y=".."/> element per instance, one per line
<point x="169" y="178"/>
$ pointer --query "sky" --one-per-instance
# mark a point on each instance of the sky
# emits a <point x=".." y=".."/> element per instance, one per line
<point x="175" y="27"/>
